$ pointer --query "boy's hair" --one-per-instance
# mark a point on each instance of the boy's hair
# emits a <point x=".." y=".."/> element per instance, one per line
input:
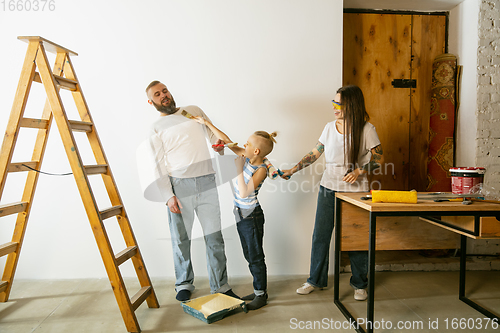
<point x="267" y="141"/>
<point x="152" y="84"/>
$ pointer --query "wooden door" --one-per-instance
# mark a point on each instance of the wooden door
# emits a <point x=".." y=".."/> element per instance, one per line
<point x="379" y="48"/>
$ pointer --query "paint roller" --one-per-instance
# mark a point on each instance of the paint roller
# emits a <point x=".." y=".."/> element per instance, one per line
<point x="394" y="196"/>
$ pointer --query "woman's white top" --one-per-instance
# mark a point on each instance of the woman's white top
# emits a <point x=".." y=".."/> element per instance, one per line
<point x="334" y="156"/>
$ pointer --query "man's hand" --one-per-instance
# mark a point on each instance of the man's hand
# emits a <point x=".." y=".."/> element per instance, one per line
<point x="220" y="148"/>
<point x="174" y="205"/>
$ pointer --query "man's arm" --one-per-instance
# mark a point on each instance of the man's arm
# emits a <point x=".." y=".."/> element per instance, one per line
<point x="162" y="176"/>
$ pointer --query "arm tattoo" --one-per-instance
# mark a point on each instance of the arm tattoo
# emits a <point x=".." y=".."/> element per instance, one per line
<point x="375" y="160"/>
<point x="320" y="147"/>
<point x="311" y="157"/>
<point x="370" y="166"/>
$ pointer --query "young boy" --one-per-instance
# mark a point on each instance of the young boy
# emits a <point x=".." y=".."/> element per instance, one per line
<point x="249" y="215"/>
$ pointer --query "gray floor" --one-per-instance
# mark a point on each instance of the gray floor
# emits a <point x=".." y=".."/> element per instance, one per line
<point x="413" y="298"/>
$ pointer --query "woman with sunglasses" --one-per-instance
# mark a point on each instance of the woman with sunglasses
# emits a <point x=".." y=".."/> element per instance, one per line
<point x="352" y="149"/>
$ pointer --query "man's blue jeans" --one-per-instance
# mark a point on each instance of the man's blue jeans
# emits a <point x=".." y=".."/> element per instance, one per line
<point x="250" y="226"/>
<point x="198" y="194"/>
<point x="320" y="252"/>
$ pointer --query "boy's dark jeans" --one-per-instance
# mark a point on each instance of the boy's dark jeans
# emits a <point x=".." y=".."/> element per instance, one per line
<point x="250" y="226"/>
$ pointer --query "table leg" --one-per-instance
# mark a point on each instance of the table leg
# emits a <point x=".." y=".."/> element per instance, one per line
<point x="336" y="259"/>
<point x="371" y="273"/>
<point x="336" y="278"/>
<point x="463" y="266"/>
<point x="461" y="292"/>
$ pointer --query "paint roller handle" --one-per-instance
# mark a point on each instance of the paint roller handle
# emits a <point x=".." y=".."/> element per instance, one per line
<point x="228" y="145"/>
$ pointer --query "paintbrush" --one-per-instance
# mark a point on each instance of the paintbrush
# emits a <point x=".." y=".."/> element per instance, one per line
<point x="228" y="145"/>
<point x="186" y="114"/>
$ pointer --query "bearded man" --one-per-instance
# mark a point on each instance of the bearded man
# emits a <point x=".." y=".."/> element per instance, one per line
<point x="186" y="180"/>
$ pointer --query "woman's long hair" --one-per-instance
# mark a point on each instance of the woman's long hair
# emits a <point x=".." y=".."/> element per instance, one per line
<point x="355" y="118"/>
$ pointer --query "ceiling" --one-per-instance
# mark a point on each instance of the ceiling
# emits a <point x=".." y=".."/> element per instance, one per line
<point x="416" y="5"/>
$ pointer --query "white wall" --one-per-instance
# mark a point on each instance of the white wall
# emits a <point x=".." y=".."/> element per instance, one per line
<point x="463" y="42"/>
<point x="250" y="65"/>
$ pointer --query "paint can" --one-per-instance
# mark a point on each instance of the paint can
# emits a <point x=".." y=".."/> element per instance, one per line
<point x="464" y="179"/>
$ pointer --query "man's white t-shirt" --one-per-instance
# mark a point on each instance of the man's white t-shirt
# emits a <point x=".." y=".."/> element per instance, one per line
<point x="177" y="147"/>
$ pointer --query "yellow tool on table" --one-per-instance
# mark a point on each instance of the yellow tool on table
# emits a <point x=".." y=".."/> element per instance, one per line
<point x="412" y="196"/>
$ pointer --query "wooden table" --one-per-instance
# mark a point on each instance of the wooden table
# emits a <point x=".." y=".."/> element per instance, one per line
<point x="478" y="220"/>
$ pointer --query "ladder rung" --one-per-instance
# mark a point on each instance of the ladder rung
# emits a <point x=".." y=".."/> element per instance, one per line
<point x="80" y="126"/>
<point x="34" y="123"/>
<point x="111" y="211"/>
<point x="13" y="208"/>
<point x="125" y="255"/>
<point x="140" y="297"/>
<point x="17" y="167"/>
<point x="66" y="83"/>
<point x="96" y="169"/>
<point x="3" y="286"/>
<point x="8" y="248"/>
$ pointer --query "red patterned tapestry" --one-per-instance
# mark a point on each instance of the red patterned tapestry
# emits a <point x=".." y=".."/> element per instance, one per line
<point x="442" y="123"/>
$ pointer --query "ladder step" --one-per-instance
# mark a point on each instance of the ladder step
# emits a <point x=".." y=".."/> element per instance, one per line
<point x="80" y="126"/>
<point x="18" y="167"/>
<point x="96" y="169"/>
<point x="110" y="212"/>
<point x="49" y="46"/>
<point x="3" y="286"/>
<point x="125" y="255"/>
<point x="37" y="78"/>
<point x="8" y="248"/>
<point x="13" y="208"/>
<point x="34" y="123"/>
<point x="140" y="297"/>
<point x="65" y="83"/>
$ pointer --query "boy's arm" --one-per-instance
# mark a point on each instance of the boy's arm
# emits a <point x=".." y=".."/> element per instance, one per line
<point x="246" y="189"/>
<point x="219" y="134"/>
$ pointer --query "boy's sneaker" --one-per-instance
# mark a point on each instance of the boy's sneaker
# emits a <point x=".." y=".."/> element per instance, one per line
<point x="306" y="289"/>
<point x="250" y="297"/>
<point x="258" y="302"/>
<point x="360" y="294"/>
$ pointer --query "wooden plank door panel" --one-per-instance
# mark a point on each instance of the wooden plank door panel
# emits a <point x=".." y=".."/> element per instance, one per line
<point x="429" y="40"/>
<point x="377" y="50"/>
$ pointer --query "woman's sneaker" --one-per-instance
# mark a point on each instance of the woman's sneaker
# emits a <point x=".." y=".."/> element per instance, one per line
<point x="306" y="289"/>
<point x="360" y="294"/>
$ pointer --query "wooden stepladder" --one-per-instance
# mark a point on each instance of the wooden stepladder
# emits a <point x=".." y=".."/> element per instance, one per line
<point x="63" y="76"/>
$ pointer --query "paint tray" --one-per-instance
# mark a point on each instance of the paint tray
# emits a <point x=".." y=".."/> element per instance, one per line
<point x="213" y="307"/>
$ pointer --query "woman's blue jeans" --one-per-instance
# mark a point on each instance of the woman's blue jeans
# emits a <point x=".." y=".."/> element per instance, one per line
<point x="320" y="252"/>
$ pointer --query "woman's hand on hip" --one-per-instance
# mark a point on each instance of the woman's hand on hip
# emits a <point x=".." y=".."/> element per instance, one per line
<point x="352" y="176"/>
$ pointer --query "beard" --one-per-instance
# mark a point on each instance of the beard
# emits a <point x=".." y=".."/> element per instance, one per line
<point x="166" y="109"/>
